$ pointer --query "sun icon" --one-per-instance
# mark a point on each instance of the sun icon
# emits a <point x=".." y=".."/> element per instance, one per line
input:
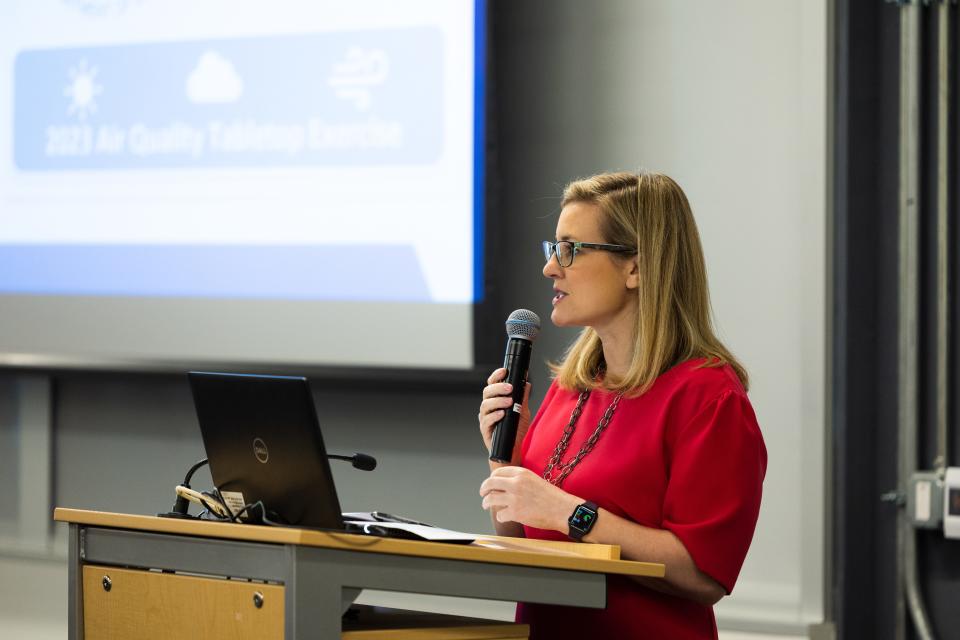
<point x="82" y="89"/>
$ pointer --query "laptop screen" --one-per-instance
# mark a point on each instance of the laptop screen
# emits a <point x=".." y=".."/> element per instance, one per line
<point x="263" y="442"/>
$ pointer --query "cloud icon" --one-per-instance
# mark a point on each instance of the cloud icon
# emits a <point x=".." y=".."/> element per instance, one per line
<point x="214" y="80"/>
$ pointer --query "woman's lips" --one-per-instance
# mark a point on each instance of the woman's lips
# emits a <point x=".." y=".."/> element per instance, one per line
<point x="558" y="296"/>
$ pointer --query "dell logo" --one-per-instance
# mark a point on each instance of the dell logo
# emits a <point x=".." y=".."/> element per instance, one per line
<point x="260" y="450"/>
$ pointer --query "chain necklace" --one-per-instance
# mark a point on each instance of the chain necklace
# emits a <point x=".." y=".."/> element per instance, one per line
<point x="564" y="469"/>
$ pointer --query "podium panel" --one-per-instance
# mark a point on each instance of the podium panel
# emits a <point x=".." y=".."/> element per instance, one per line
<point x="128" y="603"/>
<point x="195" y="579"/>
<point x="119" y="604"/>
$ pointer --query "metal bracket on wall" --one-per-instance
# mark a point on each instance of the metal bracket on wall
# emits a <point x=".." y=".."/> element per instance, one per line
<point x="897" y="498"/>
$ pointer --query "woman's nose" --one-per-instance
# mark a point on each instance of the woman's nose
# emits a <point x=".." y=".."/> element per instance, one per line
<point x="552" y="268"/>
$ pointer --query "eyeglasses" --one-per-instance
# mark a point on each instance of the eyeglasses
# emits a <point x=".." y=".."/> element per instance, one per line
<point x="566" y="251"/>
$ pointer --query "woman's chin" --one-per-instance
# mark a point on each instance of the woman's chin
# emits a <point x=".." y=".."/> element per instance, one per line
<point x="558" y="319"/>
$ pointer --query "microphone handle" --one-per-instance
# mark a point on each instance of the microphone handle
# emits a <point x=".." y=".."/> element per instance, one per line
<point x="517" y="363"/>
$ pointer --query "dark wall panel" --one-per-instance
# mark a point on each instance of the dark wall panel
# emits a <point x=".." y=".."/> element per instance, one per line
<point x="865" y="312"/>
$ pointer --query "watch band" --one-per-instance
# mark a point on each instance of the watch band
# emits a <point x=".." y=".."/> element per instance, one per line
<point x="582" y="520"/>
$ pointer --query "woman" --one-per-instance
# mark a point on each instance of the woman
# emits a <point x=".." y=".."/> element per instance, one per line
<point x="646" y="437"/>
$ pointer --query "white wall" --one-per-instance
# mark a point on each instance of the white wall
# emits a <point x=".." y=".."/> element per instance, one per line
<point x="729" y="98"/>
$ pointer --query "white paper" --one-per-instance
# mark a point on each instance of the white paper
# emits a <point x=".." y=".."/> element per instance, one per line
<point x="366" y="516"/>
<point x="434" y="534"/>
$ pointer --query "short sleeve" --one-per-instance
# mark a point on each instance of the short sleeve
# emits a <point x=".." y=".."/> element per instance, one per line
<point x="717" y="464"/>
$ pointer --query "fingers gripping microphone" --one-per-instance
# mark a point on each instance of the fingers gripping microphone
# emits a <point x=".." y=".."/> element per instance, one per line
<point x="522" y="329"/>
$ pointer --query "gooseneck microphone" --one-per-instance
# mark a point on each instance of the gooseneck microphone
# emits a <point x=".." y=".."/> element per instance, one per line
<point x="523" y="326"/>
<point x="359" y="460"/>
<point x="182" y="505"/>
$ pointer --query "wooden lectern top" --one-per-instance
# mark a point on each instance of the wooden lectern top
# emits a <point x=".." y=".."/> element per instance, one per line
<point x="575" y="556"/>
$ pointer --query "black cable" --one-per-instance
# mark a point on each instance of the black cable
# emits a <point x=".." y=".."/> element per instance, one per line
<point x="263" y="513"/>
<point x="217" y="500"/>
<point x="193" y="470"/>
<point x="245" y="508"/>
<point x="263" y="516"/>
<point x="210" y="509"/>
<point x="216" y="496"/>
<point x="220" y="499"/>
<point x="181" y="506"/>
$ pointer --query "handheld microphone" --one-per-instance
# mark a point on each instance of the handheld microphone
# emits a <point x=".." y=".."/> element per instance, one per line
<point x="359" y="460"/>
<point x="523" y="326"/>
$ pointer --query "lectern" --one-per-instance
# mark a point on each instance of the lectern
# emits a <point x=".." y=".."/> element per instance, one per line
<point x="154" y="575"/>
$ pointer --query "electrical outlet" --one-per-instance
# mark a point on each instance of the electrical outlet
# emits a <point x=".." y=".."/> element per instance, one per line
<point x="951" y="503"/>
<point x="925" y="500"/>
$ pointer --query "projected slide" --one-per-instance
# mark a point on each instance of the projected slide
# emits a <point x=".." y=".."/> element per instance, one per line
<point x="301" y="150"/>
<point x="365" y="98"/>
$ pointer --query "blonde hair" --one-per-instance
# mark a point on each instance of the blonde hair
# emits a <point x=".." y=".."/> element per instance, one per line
<point x="650" y="213"/>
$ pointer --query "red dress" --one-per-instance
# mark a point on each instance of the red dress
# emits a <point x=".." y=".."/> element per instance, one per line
<point x="686" y="456"/>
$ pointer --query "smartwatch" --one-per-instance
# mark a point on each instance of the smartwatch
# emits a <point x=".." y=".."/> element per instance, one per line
<point x="583" y="519"/>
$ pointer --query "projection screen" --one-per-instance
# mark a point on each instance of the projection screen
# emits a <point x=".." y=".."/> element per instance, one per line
<point x="297" y="182"/>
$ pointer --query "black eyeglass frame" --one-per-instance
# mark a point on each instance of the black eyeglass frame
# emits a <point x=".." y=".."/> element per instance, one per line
<point x="550" y="249"/>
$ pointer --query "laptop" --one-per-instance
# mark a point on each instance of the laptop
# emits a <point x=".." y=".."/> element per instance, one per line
<point x="264" y="444"/>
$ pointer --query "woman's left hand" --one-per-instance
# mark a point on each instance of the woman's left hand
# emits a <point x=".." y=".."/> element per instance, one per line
<point x="520" y="495"/>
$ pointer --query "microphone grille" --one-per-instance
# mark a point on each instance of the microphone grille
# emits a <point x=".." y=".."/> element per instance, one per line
<point x="364" y="462"/>
<point x="523" y="323"/>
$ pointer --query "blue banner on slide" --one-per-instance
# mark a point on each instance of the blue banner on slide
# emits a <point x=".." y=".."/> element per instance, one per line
<point x="341" y="98"/>
<point x="335" y="272"/>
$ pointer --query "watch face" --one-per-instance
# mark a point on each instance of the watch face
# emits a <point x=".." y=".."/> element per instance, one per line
<point x="583" y="518"/>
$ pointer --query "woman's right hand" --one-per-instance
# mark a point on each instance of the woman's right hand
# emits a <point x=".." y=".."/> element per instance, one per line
<point x="497" y="400"/>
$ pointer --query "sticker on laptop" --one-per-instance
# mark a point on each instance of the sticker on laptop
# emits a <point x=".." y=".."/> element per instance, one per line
<point x="235" y="501"/>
